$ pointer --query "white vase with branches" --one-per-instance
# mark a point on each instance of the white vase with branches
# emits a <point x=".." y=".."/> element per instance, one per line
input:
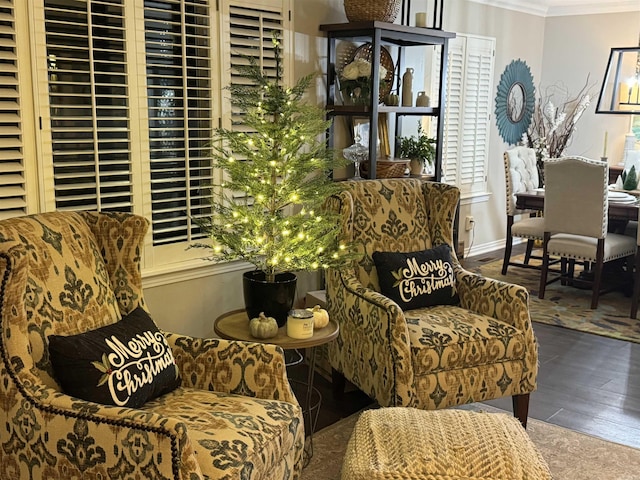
<point x="554" y="121"/>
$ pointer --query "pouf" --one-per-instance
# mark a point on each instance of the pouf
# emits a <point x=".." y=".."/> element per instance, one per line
<point x="407" y="443"/>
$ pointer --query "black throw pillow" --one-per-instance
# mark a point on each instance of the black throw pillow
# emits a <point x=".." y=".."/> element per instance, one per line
<point x="417" y="279"/>
<point x="126" y="364"/>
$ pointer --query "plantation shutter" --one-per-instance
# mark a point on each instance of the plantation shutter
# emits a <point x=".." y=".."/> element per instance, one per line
<point x="89" y="106"/>
<point x="250" y="33"/>
<point x="476" y="110"/>
<point x="467" y="113"/>
<point x="178" y="49"/>
<point x="13" y="195"/>
<point x="452" y="113"/>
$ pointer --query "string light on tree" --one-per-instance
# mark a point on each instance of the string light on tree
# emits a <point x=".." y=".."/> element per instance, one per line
<point x="281" y="161"/>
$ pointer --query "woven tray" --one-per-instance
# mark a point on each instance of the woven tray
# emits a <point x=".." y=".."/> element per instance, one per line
<point x="372" y="10"/>
<point x="394" y="168"/>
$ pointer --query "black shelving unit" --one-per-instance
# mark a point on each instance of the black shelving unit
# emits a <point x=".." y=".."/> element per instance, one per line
<point x="387" y="34"/>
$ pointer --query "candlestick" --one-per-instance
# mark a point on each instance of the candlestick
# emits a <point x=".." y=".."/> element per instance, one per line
<point x="604" y="152"/>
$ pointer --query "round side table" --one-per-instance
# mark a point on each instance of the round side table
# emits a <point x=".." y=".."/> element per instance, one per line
<point x="235" y="326"/>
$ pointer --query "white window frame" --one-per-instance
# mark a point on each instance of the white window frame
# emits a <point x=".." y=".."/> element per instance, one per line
<point x="465" y="149"/>
<point x="165" y="263"/>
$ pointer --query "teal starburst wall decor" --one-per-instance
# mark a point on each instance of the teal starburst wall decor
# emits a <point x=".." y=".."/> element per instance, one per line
<point x="515" y="100"/>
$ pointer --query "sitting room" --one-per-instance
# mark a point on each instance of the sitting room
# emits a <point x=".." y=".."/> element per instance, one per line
<point x="308" y="239"/>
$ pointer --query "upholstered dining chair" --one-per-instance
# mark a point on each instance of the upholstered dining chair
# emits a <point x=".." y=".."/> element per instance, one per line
<point x="635" y="296"/>
<point x="521" y="175"/>
<point x="71" y="286"/>
<point x="576" y="220"/>
<point x="417" y="329"/>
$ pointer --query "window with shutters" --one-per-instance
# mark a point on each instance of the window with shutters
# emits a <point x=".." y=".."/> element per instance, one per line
<point x="250" y="33"/>
<point x="179" y="91"/>
<point x="89" y="109"/>
<point x="467" y="113"/>
<point x="128" y="93"/>
<point x="14" y="149"/>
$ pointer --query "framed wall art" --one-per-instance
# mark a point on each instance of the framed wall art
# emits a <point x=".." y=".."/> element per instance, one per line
<point x="515" y="101"/>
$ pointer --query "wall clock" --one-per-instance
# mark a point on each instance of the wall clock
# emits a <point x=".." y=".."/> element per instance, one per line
<point x="515" y="101"/>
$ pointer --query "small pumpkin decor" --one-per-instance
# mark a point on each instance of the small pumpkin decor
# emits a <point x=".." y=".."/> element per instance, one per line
<point x="320" y="317"/>
<point x="263" y="327"/>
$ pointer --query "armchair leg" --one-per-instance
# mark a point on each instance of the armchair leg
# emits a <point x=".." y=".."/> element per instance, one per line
<point x="521" y="408"/>
<point x="338" y="382"/>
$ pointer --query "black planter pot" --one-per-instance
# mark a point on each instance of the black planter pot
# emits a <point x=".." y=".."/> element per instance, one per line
<point x="275" y="299"/>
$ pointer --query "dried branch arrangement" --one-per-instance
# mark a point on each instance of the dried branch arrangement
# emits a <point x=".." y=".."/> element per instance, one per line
<point x="554" y="120"/>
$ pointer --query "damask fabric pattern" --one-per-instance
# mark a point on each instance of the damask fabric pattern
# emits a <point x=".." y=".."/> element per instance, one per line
<point x="58" y="277"/>
<point x="432" y="357"/>
<point x="269" y="444"/>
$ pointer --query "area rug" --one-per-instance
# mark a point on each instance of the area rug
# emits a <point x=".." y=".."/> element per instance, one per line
<point x="570" y="455"/>
<point x="568" y="307"/>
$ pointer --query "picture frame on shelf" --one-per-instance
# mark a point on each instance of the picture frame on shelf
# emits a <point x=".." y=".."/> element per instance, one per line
<point x="383" y="135"/>
<point x="359" y="126"/>
<point x="383" y="146"/>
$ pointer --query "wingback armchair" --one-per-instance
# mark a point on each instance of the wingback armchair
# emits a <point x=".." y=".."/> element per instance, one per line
<point x="233" y="416"/>
<point x="481" y="348"/>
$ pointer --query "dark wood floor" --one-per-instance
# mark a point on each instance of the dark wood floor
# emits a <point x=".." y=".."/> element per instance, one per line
<point x="586" y="383"/>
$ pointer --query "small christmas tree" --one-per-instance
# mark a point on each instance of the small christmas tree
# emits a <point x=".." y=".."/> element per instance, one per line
<point x="630" y="179"/>
<point x="280" y="161"/>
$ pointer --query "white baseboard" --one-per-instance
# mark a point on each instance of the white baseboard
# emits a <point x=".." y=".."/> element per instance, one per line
<point x="489" y="247"/>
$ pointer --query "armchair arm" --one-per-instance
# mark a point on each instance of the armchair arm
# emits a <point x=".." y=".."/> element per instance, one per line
<point x="503" y="301"/>
<point x="506" y="302"/>
<point x="90" y="439"/>
<point x="244" y="368"/>
<point x="372" y="349"/>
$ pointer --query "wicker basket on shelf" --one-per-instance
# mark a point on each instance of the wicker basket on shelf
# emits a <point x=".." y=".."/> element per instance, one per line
<point x="388" y="168"/>
<point x="372" y="10"/>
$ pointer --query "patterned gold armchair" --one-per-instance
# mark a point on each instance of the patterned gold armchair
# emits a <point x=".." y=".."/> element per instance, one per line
<point x="481" y="348"/>
<point x="233" y="416"/>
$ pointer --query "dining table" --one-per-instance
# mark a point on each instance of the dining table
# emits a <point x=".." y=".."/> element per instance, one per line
<point x="619" y="213"/>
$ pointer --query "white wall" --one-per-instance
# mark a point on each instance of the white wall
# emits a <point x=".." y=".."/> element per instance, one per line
<point x="556" y="48"/>
<point x="190" y="307"/>
<point x="518" y="36"/>
<point x="578" y="46"/>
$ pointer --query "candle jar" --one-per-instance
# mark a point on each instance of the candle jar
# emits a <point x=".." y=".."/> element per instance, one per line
<point x="421" y="19"/>
<point x="300" y="324"/>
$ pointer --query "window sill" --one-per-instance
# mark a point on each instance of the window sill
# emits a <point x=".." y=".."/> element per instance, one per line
<point x="193" y="269"/>
<point x="471" y="198"/>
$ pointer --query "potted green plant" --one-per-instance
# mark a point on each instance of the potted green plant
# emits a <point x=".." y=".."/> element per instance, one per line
<point x="280" y="161"/>
<point x="420" y="150"/>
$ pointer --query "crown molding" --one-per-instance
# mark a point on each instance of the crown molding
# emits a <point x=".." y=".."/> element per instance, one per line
<point x="533" y="8"/>
<point x="555" y="8"/>
<point x="566" y="7"/>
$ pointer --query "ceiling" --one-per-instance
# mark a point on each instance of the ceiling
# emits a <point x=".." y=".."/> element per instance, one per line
<point x="552" y="8"/>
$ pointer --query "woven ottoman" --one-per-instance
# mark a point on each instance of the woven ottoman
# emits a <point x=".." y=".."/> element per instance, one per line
<point x="405" y="443"/>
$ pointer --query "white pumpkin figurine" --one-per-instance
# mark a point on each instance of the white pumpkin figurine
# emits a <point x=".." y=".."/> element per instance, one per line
<point x="320" y="317"/>
<point x="263" y="326"/>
